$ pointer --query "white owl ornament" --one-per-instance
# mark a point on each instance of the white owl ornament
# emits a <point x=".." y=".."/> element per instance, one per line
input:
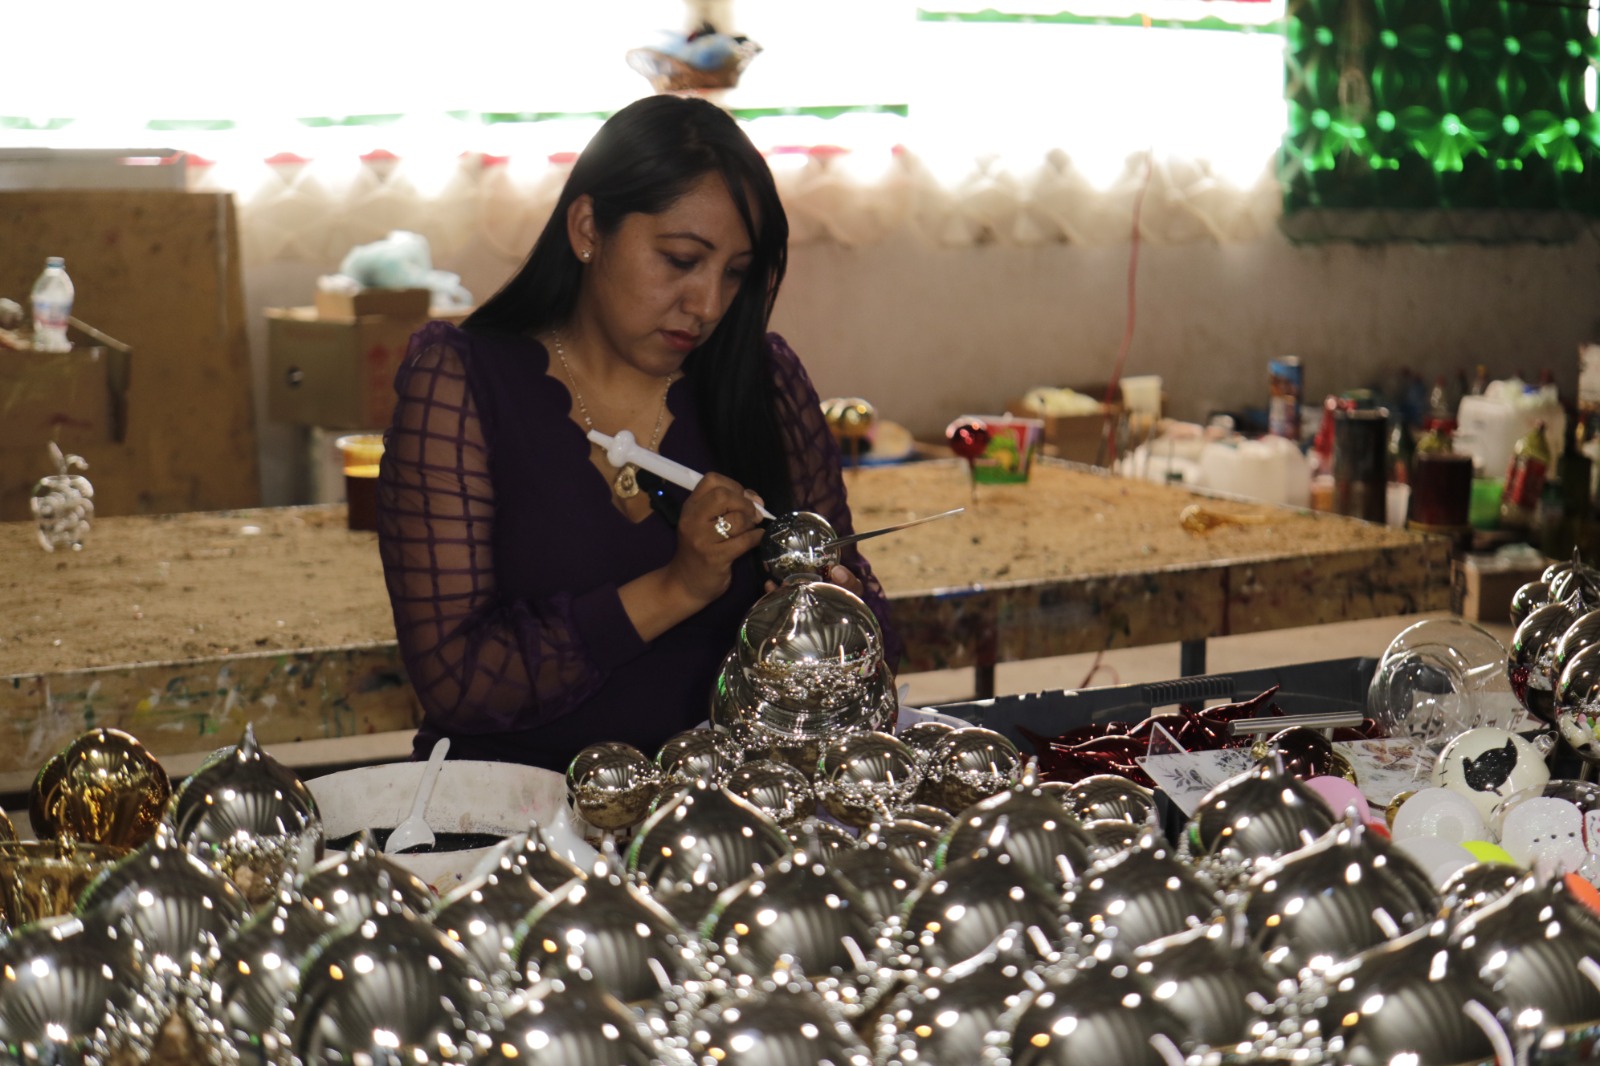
<point x="1487" y="764"/>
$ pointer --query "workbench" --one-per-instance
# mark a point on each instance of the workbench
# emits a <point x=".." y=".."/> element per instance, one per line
<point x="182" y="628"/>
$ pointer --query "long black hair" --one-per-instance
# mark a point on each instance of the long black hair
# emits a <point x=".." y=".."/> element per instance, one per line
<point x="641" y="161"/>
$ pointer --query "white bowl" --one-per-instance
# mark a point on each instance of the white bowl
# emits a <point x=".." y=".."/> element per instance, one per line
<point x="470" y="797"/>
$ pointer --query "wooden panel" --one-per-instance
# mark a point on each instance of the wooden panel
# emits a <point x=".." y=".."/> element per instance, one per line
<point x="160" y="271"/>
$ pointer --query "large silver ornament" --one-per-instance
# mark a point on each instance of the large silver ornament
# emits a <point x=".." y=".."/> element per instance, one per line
<point x="959" y="912"/>
<point x="776" y="789"/>
<point x="248" y="816"/>
<point x="258" y="973"/>
<point x="796" y="918"/>
<point x="951" y="1019"/>
<point x="64" y="983"/>
<point x="783" y="1026"/>
<point x="916" y="842"/>
<point x="346" y="888"/>
<point x="1134" y="898"/>
<point x="708" y="755"/>
<point x="1254" y="818"/>
<point x="176" y="908"/>
<point x="573" y="1022"/>
<point x="484" y="915"/>
<point x="1109" y="797"/>
<point x="1326" y="902"/>
<point x="604" y="929"/>
<point x="1222" y="992"/>
<point x="393" y="990"/>
<point x="969" y="764"/>
<point x="1028" y="825"/>
<point x="883" y="878"/>
<point x="1104" y="1016"/>
<point x="1413" y="999"/>
<point x="861" y="776"/>
<point x="612" y="784"/>
<point x="699" y="843"/>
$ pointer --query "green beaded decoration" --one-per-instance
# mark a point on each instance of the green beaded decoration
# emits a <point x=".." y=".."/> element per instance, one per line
<point x="1438" y="120"/>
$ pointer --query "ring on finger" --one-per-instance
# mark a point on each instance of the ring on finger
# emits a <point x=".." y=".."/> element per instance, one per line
<point x="723" y="527"/>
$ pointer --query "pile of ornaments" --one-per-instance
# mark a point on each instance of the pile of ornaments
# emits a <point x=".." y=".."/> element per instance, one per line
<point x="1038" y="924"/>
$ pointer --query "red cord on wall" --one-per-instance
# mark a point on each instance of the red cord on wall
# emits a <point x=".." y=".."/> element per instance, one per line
<point x="1127" y="331"/>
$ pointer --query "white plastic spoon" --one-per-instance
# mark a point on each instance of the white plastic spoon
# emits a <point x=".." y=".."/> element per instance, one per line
<point x="414" y="831"/>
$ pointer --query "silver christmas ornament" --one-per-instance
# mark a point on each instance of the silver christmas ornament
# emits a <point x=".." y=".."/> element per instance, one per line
<point x="1108" y="797"/>
<point x="820" y="839"/>
<point x="612" y="784"/>
<point x="1577" y="580"/>
<point x="1029" y="826"/>
<point x="573" y="1022"/>
<point x="177" y="909"/>
<point x="775" y="788"/>
<point x="797" y="917"/>
<point x="258" y="973"/>
<point x="783" y="1026"/>
<point x="1576" y="704"/>
<point x="1527" y="598"/>
<point x="1255" y="817"/>
<point x="882" y="878"/>
<point x="1104" y="1016"/>
<point x="915" y="842"/>
<point x="797" y="543"/>
<point x="392" y="990"/>
<point x="936" y="818"/>
<point x="1531" y="662"/>
<point x="923" y="737"/>
<point x="1544" y="964"/>
<point x="1326" y="902"/>
<point x="970" y="764"/>
<point x="1475" y="886"/>
<point x="605" y="930"/>
<point x="531" y="855"/>
<point x="484" y="915"/>
<point x="248" y="816"/>
<point x="1112" y="836"/>
<point x="951" y="1019"/>
<point x="708" y="755"/>
<point x="959" y="912"/>
<point x="1137" y="897"/>
<point x="1412" y="999"/>
<point x="346" y="888"/>
<point x="861" y="776"/>
<point x="699" y="843"/>
<point x="1221" y="991"/>
<point x="64" y="983"/>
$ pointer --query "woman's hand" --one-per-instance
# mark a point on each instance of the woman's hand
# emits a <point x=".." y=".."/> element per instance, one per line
<point x="718" y="524"/>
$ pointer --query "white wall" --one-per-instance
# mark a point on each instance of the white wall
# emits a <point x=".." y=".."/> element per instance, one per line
<point x="927" y="333"/>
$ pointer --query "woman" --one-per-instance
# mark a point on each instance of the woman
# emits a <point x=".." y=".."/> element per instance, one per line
<point x="542" y="602"/>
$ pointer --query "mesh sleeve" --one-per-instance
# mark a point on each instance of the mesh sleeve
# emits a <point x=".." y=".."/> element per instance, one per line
<point x="478" y="663"/>
<point x="815" y="469"/>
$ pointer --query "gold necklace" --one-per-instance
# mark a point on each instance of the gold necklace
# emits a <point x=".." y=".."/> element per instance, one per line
<point x="626" y="483"/>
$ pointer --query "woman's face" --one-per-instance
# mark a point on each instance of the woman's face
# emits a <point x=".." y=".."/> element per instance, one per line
<point x="658" y="285"/>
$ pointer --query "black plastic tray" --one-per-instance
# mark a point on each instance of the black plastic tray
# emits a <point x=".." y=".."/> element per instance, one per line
<point x="1303" y="688"/>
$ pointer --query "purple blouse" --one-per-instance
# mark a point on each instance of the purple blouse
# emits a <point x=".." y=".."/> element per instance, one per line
<point x="503" y="554"/>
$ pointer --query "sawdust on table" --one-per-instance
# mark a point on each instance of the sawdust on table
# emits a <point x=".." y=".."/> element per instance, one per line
<point x="175" y="587"/>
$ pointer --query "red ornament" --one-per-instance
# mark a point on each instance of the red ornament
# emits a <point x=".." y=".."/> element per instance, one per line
<point x="968" y="437"/>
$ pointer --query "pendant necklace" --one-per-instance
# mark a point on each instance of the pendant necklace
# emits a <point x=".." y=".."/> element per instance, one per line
<point x="626" y="483"/>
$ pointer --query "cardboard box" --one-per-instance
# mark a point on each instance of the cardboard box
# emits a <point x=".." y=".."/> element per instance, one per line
<point x="1077" y="438"/>
<point x="1482" y="585"/>
<point x="410" y="304"/>
<point x="337" y="373"/>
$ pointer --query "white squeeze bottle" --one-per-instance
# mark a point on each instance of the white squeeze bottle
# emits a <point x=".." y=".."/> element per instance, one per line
<point x="52" y="306"/>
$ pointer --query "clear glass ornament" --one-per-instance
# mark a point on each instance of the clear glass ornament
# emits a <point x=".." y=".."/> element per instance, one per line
<point x="63" y="503"/>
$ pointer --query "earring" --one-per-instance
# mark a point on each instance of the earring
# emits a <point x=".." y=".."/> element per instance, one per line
<point x="587" y="252"/>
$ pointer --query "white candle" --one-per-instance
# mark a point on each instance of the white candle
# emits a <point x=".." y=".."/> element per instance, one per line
<point x="623" y="449"/>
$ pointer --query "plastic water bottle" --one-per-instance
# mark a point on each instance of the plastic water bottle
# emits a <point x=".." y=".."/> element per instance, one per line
<point x="52" y="306"/>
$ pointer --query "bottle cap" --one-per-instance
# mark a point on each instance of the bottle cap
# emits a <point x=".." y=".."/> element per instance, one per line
<point x="55" y="261"/>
